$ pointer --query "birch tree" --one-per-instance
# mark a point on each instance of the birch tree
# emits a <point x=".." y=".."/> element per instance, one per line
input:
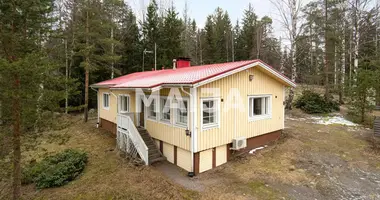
<point x="289" y="12"/>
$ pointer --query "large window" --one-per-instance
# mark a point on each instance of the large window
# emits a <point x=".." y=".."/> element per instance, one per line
<point x="260" y="107"/>
<point x="165" y="109"/>
<point x="181" y="113"/>
<point x="210" y="113"/>
<point x="152" y="110"/>
<point x="106" y="101"/>
<point x="124" y="103"/>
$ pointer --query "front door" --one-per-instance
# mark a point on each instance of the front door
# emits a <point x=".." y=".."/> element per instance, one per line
<point x="142" y="114"/>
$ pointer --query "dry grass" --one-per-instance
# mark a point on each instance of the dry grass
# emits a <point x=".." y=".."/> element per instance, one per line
<point x="106" y="176"/>
<point x="288" y="164"/>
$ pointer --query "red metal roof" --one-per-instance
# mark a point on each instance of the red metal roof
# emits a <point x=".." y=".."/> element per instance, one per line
<point x="187" y="75"/>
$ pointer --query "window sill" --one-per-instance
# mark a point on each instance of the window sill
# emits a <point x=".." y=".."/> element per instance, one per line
<point x="183" y="126"/>
<point x="106" y="108"/>
<point x="164" y="121"/>
<point x="205" y="128"/>
<point x="151" y="119"/>
<point x="261" y="117"/>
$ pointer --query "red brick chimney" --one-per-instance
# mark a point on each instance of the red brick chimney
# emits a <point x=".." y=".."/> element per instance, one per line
<point x="182" y="62"/>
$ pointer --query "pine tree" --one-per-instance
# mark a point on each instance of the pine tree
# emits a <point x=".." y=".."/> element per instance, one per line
<point x="24" y="69"/>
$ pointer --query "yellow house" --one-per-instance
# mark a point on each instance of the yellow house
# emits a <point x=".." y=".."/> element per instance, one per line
<point x="196" y="117"/>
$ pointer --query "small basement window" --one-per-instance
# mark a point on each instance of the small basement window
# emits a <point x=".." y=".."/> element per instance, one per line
<point x="106" y="101"/>
<point x="124" y="103"/>
<point x="260" y="107"/>
<point x="210" y="113"/>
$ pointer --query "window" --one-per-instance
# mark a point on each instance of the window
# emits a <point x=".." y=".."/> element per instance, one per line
<point x="181" y="113"/>
<point x="124" y="103"/>
<point x="106" y="101"/>
<point x="165" y="109"/>
<point x="152" y="110"/>
<point x="210" y="113"/>
<point x="260" y="107"/>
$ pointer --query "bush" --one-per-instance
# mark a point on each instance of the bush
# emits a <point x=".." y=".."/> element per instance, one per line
<point x="55" y="170"/>
<point x="312" y="102"/>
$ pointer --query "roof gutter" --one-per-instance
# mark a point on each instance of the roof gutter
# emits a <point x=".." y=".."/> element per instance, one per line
<point x="101" y="86"/>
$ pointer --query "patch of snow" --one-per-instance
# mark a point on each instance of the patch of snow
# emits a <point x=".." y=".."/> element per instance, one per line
<point x="258" y="148"/>
<point x="296" y="119"/>
<point x="332" y="120"/>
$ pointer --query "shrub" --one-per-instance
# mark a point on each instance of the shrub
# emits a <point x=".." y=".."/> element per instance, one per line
<point x="56" y="170"/>
<point x="312" y="102"/>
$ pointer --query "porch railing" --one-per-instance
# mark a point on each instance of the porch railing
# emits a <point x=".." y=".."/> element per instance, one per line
<point x="129" y="139"/>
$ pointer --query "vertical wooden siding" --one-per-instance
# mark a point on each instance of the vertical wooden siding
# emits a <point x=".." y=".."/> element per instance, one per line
<point x="261" y="84"/>
<point x="111" y="114"/>
<point x="169" y="133"/>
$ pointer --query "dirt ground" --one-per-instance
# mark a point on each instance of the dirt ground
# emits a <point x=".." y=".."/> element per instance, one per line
<point x="310" y="161"/>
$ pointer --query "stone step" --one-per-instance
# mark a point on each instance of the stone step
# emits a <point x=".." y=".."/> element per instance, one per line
<point x="156" y="160"/>
<point x="154" y="154"/>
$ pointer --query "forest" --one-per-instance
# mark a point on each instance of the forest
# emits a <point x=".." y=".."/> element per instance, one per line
<point x="51" y="51"/>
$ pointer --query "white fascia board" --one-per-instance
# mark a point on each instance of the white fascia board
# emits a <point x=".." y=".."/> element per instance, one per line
<point x="258" y="63"/>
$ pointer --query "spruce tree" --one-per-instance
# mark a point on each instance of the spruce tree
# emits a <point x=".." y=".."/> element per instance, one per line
<point x="171" y="37"/>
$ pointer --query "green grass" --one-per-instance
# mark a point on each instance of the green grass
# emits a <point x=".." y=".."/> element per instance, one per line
<point x="263" y="191"/>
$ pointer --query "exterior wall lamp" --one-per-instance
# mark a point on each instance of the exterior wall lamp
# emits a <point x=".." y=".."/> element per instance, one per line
<point x="188" y="132"/>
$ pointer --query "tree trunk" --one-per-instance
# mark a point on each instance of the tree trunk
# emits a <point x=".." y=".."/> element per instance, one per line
<point x="356" y="38"/>
<point x="66" y="78"/>
<point x="16" y="141"/>
<point x="335" y="67"/>
<point x="282" y="70"/>
<point x="112" y="52"/>
<point x="311" y="48"/>
<point x="292" y="52"/>
<point x="87" y="61"/>
<point x="343" y="61"/>
<point x="326" y="68"/>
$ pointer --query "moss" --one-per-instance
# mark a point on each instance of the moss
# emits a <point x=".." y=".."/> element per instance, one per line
<point x="263" y="191"/>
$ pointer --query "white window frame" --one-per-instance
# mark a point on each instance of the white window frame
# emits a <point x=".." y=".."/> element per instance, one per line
<point x="252" y="116"/>
<point x="121" y="104"/>
<point x="216" y="124"/>
<point x="176" y="116"/>
<point x="148" y="113"/>
<point x="161" y="113"/>
<point x="103" y="100"/>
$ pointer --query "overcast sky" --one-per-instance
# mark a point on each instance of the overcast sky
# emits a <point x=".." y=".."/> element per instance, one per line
<point x="200" y="9"/>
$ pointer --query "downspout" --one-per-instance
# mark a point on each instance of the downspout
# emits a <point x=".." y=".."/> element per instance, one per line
<point x="192" y="125"/>
<point x="235" y="132"/>
<point x="98" y="105"/>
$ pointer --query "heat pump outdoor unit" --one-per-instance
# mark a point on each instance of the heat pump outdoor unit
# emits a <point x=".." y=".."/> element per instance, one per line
<point x="239" y="143"/>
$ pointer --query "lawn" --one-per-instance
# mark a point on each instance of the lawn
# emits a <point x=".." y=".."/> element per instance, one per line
<point x="310" y="161"/>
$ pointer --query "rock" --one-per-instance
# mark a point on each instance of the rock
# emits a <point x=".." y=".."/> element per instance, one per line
<point x="91" y="111"/>
<point x="292" y="168"/>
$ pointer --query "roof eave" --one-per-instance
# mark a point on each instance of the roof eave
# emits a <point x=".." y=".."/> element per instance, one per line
<point x="101" y="86"/>
<point x="256" y="63"/>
